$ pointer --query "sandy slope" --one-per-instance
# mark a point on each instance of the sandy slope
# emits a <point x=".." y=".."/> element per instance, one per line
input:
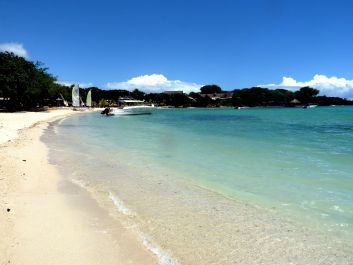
<point x="11" y="123"/>
<point x="45" y="219"/>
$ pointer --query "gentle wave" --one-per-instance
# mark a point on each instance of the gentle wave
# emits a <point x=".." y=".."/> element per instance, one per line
<point x="163" y="257"/>
<point x="59" y="122"/>
<point x="120" y="205"/>
<point x="79" y="182"/>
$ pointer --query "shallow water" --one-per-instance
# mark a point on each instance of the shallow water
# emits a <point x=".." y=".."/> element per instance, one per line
<point x="273" y="176"/>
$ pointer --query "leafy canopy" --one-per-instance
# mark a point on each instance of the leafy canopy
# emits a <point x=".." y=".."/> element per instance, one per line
<point x="23" y="83"/>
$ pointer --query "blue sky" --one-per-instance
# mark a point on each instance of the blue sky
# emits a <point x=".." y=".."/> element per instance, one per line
<point x="234" y="44"/>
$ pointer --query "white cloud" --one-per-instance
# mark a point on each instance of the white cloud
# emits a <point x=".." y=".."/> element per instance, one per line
<point x="154" y="83"/>
<point x="69" y="83"/>
<point x="16" y="48"/>
<point x="329" y="86"/>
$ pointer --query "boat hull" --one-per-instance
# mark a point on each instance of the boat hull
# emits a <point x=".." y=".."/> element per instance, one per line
<point x="133" y="110"/>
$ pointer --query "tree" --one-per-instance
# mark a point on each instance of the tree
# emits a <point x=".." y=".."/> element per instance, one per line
<point x="200" y="101"/>
<point x="102" y="103"/>
<point x="57" y="90"/>
<point x="306" y="94"/>
<point x="258" y="96"/>
<point x="255" y="96"/>
<point x="137" y="94"/>
<point x="179" y="100"/>
<point x="210" y="89"/>
<point x="25" y="84"/>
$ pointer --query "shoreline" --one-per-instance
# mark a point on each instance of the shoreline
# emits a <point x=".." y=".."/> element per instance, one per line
<point x="45" y="219"/>
<point x="184" y="219"/>
<point x="53" y="220"/>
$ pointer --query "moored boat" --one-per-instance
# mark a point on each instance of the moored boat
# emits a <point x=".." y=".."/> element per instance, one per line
<point x="309" y="106"/>
<point x="130" y="107"/>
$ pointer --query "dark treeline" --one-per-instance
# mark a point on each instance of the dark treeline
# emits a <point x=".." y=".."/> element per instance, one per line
<point x="257" y="96"/>
<point x="251" y="97"/>
<point x="26" y="85"/>
<point x="22" y="83"/>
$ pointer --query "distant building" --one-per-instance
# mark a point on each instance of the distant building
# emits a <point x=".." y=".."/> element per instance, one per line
<point x="221" y="96"/>
<point x="173" y="92"/>
<point x="295" y="101"/>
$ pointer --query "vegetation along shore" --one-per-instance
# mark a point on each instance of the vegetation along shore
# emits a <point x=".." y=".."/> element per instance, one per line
<point x="26" y="85"/>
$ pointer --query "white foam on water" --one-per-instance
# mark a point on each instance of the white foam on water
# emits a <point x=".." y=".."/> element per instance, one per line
<point x="55" y="129"/>
<point x="337" y="208"/>
<point x="163" y="257"/>
<point x="79" y="182"/>
<point x="120" y="205"/>
<point x="61" y="120"/>
<point x="58" y="124"/>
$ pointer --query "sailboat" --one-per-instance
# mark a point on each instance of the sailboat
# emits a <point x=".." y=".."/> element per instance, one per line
<point x="89" y="99"/>
<point x="76" y="96"/>
<point x="64" y="101"/>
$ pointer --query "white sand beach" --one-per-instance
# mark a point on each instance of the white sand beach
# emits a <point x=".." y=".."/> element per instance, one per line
<point x="47" y="219"/>
<point x="43" y="218"/>
<point x="12" y="123"/>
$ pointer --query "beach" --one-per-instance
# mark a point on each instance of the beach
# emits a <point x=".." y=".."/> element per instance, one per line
<point x="45" y="220"/>
<point x="176" y="133"/>
<point x="74" y="193"/>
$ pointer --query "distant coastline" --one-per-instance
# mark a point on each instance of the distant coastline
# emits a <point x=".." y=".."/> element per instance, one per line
<point x="23" y="90"/>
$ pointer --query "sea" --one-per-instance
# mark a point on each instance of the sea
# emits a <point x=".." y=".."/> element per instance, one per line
<point x="220" y="185"/>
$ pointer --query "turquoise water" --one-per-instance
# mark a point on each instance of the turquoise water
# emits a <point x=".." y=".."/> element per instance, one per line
<point x="296" y="161"/>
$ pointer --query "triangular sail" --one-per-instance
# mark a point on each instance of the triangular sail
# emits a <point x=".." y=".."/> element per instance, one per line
<point x="89" y="99"/>
<point x="65" y="102"/>
<point x="76" y="96"/>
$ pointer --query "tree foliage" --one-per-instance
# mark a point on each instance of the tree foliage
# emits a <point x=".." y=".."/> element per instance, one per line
<point x="162" y="99"/>
<point x="137" y="94"/>
<point x="210" y="89"/>
<point x="306" y="94"/>
<point x="201" y="101"/>
<point x="258" y="96"/>
<point x="23" y="83"/>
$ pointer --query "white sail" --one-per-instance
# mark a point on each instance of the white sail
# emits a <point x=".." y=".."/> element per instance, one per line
<point x="76" y="96"/>
<point x="89" y="99"/>
<point x="65" y="102"/>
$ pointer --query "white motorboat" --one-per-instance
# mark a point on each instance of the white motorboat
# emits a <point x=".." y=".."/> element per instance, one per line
<point x="241" y="107"/>
<point x="310" y="106"/>
<point x="131" y="107"/>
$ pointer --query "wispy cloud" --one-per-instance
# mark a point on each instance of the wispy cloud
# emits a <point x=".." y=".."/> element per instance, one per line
<point x="154" y="83"/>
<point x="16" y="48"/>
<point x="329" y="86"/>
<point x="69" y="83"/>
